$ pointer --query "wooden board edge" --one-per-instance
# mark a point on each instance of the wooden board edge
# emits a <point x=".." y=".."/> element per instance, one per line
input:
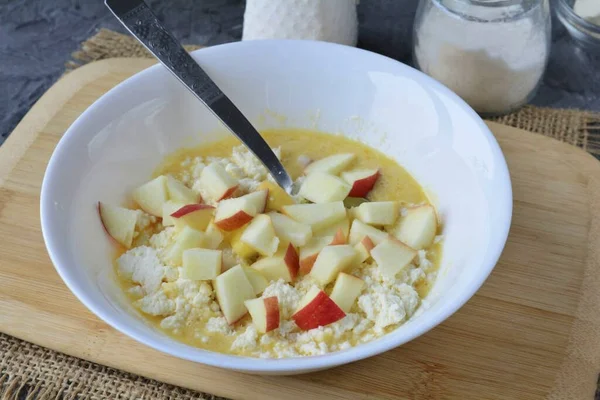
<point x="52" y="102"/>
<point x="582" y="361"/>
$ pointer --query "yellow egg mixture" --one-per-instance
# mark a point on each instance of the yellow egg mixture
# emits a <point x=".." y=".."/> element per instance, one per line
<point x="382" y="307"/>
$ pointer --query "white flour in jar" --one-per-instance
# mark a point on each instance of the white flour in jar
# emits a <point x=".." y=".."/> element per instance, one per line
<point x="493" y="66"/>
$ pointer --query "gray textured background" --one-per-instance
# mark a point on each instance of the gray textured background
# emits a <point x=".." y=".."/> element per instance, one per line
<point x="38" y="36"/>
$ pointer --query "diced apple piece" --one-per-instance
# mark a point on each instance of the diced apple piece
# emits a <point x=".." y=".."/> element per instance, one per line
<point x="239" y="247"/>
<point x="320" y="187"/>
<point x="230" y="259"/>
<point x="317" y="309"/>
<point x="264" y="313"/>
<point x="359" y="230"/>
<point x="202" y="264"/>
<point x="345" y="291"/>
<point x="216" y="182"/>
<point x="363" y="248"/>
<point x="169" y="208"/>
<point x="331" y="230"/>
<point x="361" y="180"/>
<point x="214" y="236"/>
<point x="196" y="216"/>
<point x="188" y="238"/>
<point x="260" y="235"/>
<point x="257" y="280"/>
<point x="318" y="216"/>
<point x="331" y="165"/>
<point x="309" y="253"/>
<point x="283" y="265"/>
<point x="339" y="238"/>
<point x="392" y="256"/>
<point x="232" y="214"/>
<point x="277" y="196"/>
<point x="331" y="261"/>
<point x="289" y="230"/>
<point x="417" y="228"/>
<point x="232" y="289"/>
<point x="180" y="193"/>
<point x="152" y="195"/>
<point x="378" y="212"/>
<point x="118" y="222"/>
<point x="258" y="200"/>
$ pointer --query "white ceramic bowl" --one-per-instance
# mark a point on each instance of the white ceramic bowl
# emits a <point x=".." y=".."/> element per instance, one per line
<point x="115" y="145"/>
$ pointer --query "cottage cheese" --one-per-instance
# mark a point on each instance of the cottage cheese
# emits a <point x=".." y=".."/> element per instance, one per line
<point x="246" y="340"/>
<point x="141" y="265"/>
<point x="287" y="295"/>
<point x="218" y="325"/>
<point x="156" y="303"/>
<point x="251" y="166"/>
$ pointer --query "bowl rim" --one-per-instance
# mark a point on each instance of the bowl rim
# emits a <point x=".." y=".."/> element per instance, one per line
<point x="293" y="364"/>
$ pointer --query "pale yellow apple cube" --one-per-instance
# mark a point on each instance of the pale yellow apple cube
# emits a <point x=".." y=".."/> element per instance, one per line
<point x="201" y="264"/>
<point x="345" y="291"/>
<point x="331" y="261"/>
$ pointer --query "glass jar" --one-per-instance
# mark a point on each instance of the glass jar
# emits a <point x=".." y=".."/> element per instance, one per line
<point x="492" y="53"/>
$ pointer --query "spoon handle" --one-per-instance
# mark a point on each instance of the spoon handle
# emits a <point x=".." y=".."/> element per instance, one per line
<point x="137" y="17"/>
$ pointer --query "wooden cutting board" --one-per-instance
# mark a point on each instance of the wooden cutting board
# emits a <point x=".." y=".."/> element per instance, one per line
<point x="532" y="331"/>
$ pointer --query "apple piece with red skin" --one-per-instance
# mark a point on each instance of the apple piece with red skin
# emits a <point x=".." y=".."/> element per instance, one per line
<point x="234" y="213"/>
<point x="232" y="289"/>
<point x="317" y="309"/>
<point x="332" y="164"/>
<point x="309" y="252"/>
<point x="283" y="265"/>
<point x="118" y="222"/>
<point x="196" y="216"/>
<point x="345" y="291"/>
<point x="264" y="312"/>
<point x="362" y="181"/>
<point x="363" y="248"/>
<point x="216" y="183"/>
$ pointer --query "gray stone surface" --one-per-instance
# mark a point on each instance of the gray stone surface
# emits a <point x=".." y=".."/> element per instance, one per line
<point x="38" y="36"/>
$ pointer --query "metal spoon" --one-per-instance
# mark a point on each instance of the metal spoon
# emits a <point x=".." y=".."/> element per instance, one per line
<point x="137" y="17"/>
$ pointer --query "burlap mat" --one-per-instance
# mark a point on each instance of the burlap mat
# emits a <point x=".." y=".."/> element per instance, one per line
<point x="31" y="372"/>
